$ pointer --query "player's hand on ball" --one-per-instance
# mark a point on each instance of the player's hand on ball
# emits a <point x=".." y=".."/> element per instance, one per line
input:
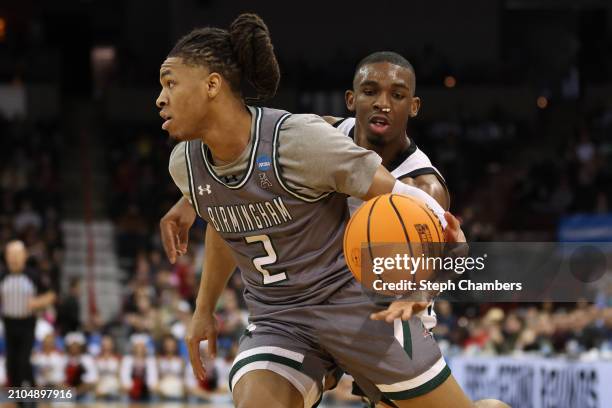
<point x="453" y="232"/>
<point x="455" y="238"/>
<point x="175" y="227"/>
<point x="203" y="326"/>
<point x="400" y="309"/>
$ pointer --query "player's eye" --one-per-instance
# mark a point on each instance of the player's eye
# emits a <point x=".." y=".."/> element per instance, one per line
<point x="170" y="84"/>
<point x="398" y="96"/>
<point x="368" y="92"/>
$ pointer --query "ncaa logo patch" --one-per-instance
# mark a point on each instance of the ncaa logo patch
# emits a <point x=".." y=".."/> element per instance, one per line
<point x="264" y="163"/>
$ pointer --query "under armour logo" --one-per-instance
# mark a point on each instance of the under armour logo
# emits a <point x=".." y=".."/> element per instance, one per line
<point x="201" y="190"/>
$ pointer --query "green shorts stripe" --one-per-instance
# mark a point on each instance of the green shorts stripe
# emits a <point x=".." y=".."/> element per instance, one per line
<point x="407" y="338"/>
<point x="401" y="331"/>
<point x="422" y="389"/>
<point x="263" y="357"/>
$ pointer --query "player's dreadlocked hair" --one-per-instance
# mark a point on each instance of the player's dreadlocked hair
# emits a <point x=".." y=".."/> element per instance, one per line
<point x="243" y="51"/>
<point x="390" y="57"/>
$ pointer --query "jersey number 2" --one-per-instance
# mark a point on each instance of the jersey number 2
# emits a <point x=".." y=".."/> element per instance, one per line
<point x="262" y="261"/>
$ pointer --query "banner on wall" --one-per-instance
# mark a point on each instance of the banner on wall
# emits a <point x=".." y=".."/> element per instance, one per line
<point x="536" y="382"/>
<point x="586" y="228"/>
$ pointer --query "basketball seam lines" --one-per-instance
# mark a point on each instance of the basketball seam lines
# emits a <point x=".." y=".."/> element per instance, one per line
<point x="368" y="230"/>
<point x="399" y="217"/>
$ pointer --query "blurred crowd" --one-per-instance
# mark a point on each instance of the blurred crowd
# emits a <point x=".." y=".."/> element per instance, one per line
<point x="514" y="181"/>
<point x="579" y="331"/>
<point x="30" y="193"/>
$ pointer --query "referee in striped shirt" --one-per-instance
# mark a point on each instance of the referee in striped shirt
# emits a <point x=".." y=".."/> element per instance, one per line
<point x="21" y="294"/>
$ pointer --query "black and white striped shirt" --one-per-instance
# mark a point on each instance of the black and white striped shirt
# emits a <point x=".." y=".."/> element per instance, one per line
<point x="16" y="290"/>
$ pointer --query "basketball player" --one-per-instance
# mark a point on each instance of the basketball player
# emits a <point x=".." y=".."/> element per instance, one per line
<point x="383" y="101"/>
<point x="272" y="187"/>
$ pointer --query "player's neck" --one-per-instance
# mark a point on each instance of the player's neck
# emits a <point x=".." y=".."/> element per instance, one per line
<point x="388" y="152"/>
<point x="229" y="134"/>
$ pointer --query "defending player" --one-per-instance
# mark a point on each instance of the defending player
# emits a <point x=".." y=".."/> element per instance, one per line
<point x="267" y="182"/>
<point x="383" y="100"/>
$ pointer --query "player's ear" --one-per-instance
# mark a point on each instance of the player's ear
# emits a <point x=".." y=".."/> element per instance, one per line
<point x="349" y="97"/>
<point x="213" y="84"/>
<point x="415" y="106"/>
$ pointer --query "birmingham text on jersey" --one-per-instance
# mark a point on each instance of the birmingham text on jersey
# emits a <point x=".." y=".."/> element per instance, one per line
<point x="249" y="217"/>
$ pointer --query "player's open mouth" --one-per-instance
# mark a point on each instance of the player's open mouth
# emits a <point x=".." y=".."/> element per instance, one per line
<point x="379" y="124"/>
<point x="166" y="123"/>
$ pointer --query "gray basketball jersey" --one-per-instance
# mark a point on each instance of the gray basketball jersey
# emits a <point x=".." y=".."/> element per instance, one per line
<point x="287" y="246"/>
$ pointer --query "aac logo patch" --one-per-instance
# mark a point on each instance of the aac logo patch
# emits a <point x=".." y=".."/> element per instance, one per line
<point x="264" y="163"/>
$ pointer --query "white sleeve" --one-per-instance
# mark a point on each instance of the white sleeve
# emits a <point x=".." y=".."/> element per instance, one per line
<point x="60" y="367"/>
<point x="152" y="375"/>
<point x="405" y="189"/>
<point x="91" y="371"/>
<point x="2" y="371"/>
<point x="126" y="371"/>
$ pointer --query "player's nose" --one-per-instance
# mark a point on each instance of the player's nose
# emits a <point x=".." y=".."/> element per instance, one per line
<point x="382" y="103"/>
<point x="161" y="100"/>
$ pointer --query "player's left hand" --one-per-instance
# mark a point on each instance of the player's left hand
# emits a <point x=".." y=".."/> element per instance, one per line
<point x="453" y="232"/>
<point x="400" y="309"/>
<point x="175" y="227"/>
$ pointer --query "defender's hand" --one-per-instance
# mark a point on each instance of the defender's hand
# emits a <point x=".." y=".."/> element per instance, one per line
<point x="453" y="232"/>
<point x="203" y="326"/>
<point x="175" y="227"/>
<point x="400" y="309"/>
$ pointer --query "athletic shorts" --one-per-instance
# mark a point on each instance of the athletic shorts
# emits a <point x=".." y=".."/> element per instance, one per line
<point x="398" y="361"/>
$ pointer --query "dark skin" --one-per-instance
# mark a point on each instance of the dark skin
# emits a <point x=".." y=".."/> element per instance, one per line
<point x="383" y="101"/>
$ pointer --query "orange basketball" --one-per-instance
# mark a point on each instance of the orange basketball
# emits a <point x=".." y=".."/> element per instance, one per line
<point x="392" y="226"/>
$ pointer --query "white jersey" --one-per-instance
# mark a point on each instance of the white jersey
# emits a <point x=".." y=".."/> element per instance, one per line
<point x="49" y="367"/>
<point x="171" y="376"/>
<point x="108" y="375"/>
<point x="412" y="163"/>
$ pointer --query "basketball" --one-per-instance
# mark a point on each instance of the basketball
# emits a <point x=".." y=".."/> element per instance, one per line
<point x="392" y="226"/>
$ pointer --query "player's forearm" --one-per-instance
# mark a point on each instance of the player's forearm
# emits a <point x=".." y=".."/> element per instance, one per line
<point x="219" y="264"/>
<point x="433" y="188"/>
<point x="382" y="183"/>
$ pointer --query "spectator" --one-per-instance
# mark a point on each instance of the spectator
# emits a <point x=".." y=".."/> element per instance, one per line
<point x="49" y="364"/>
<point x="171" y="371"/>
<point x="139" y="371"/>
<point x="81" y="371"/>
<point x="108" y="363"/>
<point x="27" y="217"/>
<point x="69" y="308"/>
